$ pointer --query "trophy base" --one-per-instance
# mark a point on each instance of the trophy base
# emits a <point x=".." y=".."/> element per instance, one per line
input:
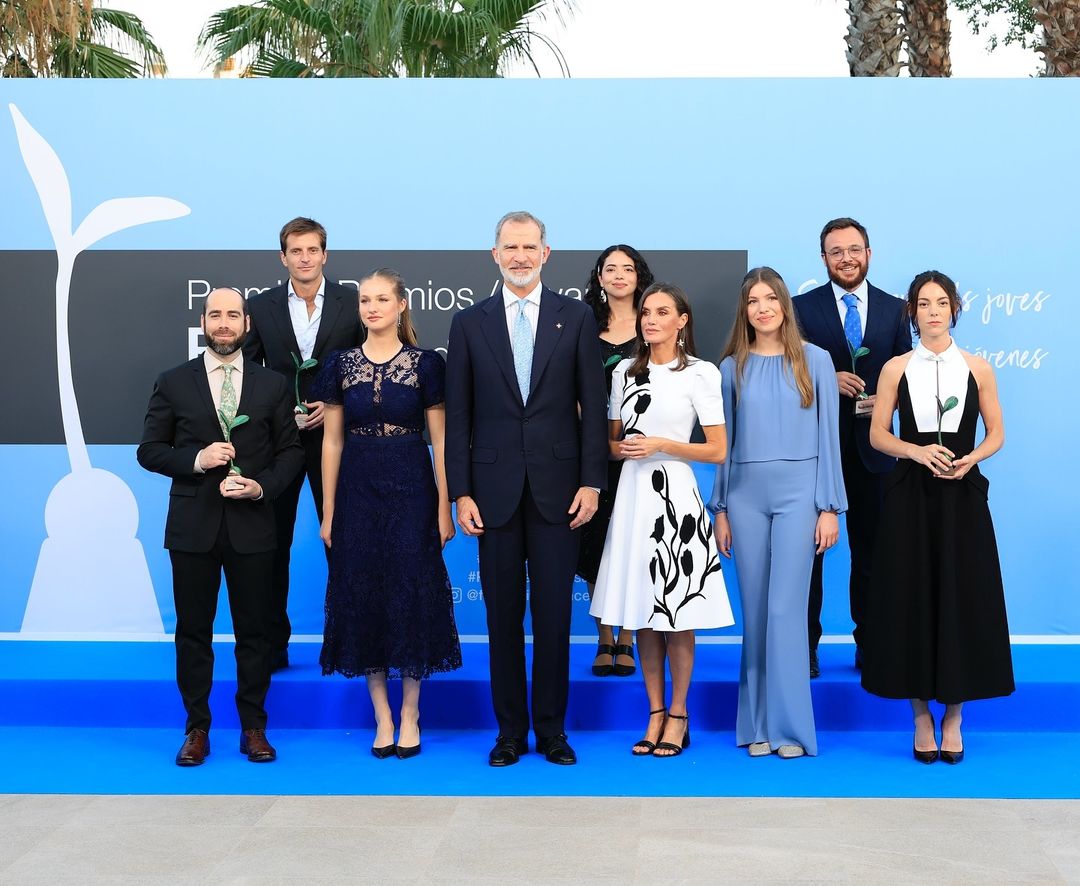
<point x="864" y="407"/>
<point x="300" y="416"/>
<point x="232" y="482"/>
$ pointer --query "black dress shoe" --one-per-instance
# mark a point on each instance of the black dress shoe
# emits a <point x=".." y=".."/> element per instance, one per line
<point x="255" y="747"/>
<point x="815" y="667"/>
<point x="195" y="749"/>
<point x="556" y="749"/>
<point x="507" y="751"/>
<point x="279" y="661"/>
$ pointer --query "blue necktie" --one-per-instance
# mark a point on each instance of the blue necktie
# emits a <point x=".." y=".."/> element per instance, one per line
<point x="852" y="323"/>
<point x="522" y="343"/>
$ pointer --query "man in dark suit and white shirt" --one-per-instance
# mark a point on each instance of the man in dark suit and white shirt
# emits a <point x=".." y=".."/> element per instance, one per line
<point x="846" y="314"/>
<point x="306" y="318"/>
<point x="526" y="454"/>
<point x="217" y="521"/>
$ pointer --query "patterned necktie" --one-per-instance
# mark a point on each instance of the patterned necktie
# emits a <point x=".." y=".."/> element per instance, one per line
<point x="852" y="323"/>
<point x="522" y="343"/>
<point x="228" y="397"/>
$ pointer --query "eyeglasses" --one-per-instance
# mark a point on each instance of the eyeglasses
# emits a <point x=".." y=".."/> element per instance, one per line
<point x="853" y="251"/>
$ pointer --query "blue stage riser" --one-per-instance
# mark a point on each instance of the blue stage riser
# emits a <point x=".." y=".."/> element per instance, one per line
<point x="132" y="685"/>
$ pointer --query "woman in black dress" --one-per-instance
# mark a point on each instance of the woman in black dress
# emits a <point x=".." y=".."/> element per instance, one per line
<point x="936" y="625"/>
<point x="386" y="516"/>
<point x="618" y="278"/>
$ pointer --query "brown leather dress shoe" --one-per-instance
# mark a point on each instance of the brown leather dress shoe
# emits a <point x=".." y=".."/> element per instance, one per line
<point x="195" y="749"/>
<point x="253" y="743"/>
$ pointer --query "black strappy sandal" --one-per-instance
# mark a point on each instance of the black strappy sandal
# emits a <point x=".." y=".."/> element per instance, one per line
<point x="608" y="669"/>
<point x="647" y="747"/>
<point x="622" y="670"/>
<point x="671" y="746"/>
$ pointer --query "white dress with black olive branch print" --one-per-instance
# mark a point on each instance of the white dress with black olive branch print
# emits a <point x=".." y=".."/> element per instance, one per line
<point x="660" y="568"/>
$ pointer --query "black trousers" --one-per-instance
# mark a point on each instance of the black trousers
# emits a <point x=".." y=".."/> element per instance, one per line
<point x="196" y="583"/>
<point x="864" y="494"/>
<point x="279" y="627"/>
<point x="549" y="551"/>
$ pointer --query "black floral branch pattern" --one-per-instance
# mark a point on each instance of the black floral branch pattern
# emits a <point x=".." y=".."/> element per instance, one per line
<point x="637" y="393"/>
<point x="673" y="558"/>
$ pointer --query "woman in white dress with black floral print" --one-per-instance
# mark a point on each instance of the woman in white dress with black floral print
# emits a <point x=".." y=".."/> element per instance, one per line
<point x="660" y="573"/>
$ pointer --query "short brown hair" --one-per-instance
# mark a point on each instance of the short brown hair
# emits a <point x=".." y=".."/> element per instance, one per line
<point x="839" y="224"/>
<point x="302" y="225"/>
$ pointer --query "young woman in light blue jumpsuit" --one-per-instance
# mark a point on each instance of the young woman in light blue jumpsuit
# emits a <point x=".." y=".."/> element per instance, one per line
<point x="776" y="501"/>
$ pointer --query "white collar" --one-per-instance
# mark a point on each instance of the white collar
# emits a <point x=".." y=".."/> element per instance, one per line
<point x="950" y="355"/>
<point x="861" y="292"/>
<point x="509" y="298"/>
<point x="318" y="295"/>
<point x="212" y="362"/>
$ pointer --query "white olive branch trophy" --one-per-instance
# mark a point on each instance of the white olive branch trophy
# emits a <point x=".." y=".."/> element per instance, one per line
<point x="91" y="575"/>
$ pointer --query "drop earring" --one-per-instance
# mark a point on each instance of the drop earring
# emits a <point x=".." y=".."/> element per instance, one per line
<point x="603" y="295"/>
<point x="680" y="342"/>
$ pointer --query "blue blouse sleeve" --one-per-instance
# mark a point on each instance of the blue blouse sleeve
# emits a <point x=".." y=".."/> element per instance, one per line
<point x="327" y="384"/>
<point x="432" y="371"/>
<point x="829" y="493"/>
<point x="718" y="500"/>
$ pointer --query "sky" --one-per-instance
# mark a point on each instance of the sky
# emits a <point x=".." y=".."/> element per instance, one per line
<point x="646" y="38"/>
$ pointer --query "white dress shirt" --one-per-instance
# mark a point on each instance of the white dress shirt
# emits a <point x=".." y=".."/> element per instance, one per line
<point x="306" y="328"/>
<point x="930" y="376"/>
<point x="861" y="292"/>
<point x="532" y="308"/>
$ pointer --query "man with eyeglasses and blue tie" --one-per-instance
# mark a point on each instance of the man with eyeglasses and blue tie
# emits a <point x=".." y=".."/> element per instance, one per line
<point x="862" y="327"/>
<point x="526" y="456"/>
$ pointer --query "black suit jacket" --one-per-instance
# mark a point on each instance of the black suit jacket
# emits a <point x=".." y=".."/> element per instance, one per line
<point x="181" y="420"/>
<point x="272" y="341"/>
<point x="494" y="441"/>
<point x="887" y="335"/>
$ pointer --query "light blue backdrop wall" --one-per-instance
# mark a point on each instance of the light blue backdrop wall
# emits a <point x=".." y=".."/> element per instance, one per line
<point x="976" y="178"/>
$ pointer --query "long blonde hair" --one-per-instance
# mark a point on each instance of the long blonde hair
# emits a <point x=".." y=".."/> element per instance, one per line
<point x="743" y="334"/>
<point x="406" y="331"/>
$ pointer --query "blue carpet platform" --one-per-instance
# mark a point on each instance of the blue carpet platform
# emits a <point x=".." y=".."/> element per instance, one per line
<point x="106" y="718"/>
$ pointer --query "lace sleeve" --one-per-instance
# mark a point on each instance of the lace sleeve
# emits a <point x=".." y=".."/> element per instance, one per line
<point x="327" y="384"/>
<point x="432" y="379"/>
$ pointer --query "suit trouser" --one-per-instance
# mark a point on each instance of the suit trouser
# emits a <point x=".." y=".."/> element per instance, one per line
<point x="772" y="515"/>
<point x="865" y="490"/>
<point x="196" y="583"/>
<point x="279" y="628"/>
<point x="551" y="550"/>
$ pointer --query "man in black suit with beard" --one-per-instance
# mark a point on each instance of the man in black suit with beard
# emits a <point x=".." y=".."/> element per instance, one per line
<point x="218" y="521"/>
<point x="843" y="315"/>
<point x="306" y="318"/>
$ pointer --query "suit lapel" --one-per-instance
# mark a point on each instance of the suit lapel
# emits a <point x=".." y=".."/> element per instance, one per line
<point x="874" y="314"/>
<point x="830" y="316"/>
<point x="279" y="304"/>
<point x="331" y="308"/>
<point x="498" y="339"/>
<point x="202" y="385"/>
<point x="548" y="332"/>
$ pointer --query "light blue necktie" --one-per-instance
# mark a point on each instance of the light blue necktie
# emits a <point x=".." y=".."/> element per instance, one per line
<point x="522" y="343"/>
<point x="852" y="323"/>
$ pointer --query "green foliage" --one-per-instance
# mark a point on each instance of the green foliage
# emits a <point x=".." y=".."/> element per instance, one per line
<point x="1019" y="15"/>
<point x="107" y="43"/>
<point x="379" y="38"/>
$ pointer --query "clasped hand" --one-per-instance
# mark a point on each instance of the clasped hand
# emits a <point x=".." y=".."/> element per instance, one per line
<point x="640" y="446"/>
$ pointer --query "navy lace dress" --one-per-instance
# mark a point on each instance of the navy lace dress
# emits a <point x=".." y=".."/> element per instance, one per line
<point x="389" y="606"/>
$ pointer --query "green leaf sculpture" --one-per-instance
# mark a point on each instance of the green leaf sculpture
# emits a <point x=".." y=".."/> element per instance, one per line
<point x="227" y="428"/>
<point x="856" y="353"/>
<point x="942" y="408"/>
<point x="301" y="366"/>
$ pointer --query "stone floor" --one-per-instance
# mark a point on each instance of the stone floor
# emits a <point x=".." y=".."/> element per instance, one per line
<point x="619" y="841"/>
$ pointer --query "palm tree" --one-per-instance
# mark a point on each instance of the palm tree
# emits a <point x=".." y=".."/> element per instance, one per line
<point x="927" y="25"/>
<point x="380" y="38"/>
<point x="874" y="37"/>
<point x="1060" y="20"/>
<point x="74" y="38"/>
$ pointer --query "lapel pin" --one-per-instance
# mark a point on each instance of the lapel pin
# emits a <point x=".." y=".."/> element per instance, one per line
<point x="558" y="325"/>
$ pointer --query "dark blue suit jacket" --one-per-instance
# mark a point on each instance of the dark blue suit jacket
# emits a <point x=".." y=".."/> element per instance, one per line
<point x="887" y="335"/>
<point x="494" y="441"/>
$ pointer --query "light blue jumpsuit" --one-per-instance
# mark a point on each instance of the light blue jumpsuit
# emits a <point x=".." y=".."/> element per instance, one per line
<point x="783" y="468"/>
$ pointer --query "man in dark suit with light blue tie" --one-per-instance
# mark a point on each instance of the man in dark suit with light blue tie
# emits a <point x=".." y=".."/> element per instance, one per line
<point x="526" y="456"/>
<point x="843" y="316"/>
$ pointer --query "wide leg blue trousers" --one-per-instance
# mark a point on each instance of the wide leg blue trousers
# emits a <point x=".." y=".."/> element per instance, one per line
<point x="772" y="514"/>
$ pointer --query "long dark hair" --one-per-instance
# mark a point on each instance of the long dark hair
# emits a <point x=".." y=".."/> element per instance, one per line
<point x="683" y="353"/>
<point x="946" y="283"/>
<point x="601" y="309"/>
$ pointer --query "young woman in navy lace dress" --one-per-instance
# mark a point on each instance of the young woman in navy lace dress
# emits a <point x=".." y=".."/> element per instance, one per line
<point x="386" y="515"/>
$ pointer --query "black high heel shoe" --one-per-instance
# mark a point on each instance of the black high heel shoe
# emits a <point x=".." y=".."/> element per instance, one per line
<point x="602" y="670"/>
<point x="404" y="753"/>
<point x="622" y="670"/>
<point x="387" y="750"/>
<point x="926" y="756"/>
<point x="951" y="757"/>
<point x="671" y="746"/>
<point x="645" y="747"/>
